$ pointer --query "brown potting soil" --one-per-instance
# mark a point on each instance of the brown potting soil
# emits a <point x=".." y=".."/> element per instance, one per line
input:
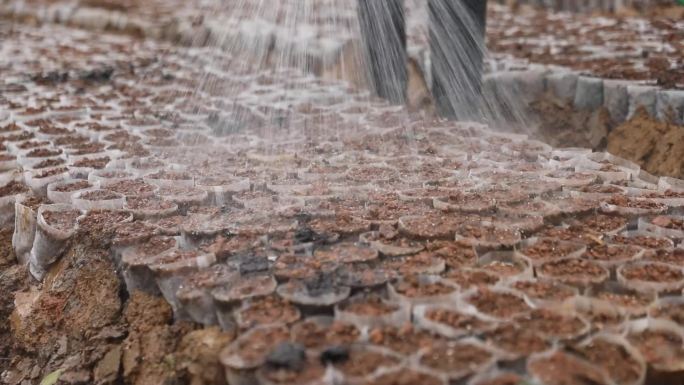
<point x="455" y="357"/>
<point x="99" y="195"/>
<point x="404" y="339"/>
<point x="131" y="187"/>
<point x="49" y="163"/>
<point x="467" y="279"/>
<point x="544" y="290"/>
<point x="312" y="335"/>
<point x="550" y="323"/>
<point x="657" y="146"/>
<point x="515" y="339"/>
<point x="413" y="287"/>
<point x="75" y="186"/>
<point x="96" y="163"/>
<point x="51" y="172"/>
<point x="502" y="379"/>
<point x="560" y="368"/>
<point x="372" y="306"/>
<point x="268" y="310"/>
<point x="406" y="376"/>
<point x="365" y="362"/>
<point x="457" y="320"/>
<point x="653" y="273"/>
<point x="620" y="364"/>
<point x="12" y="188"/>
<point x="498" y="304"/>
<point x="61" y="220"/>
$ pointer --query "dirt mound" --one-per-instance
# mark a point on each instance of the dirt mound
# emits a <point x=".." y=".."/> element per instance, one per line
<point x="73" y="327"/>
<point x="149" y="350"/>
<point x="657" y="146"/>
<point x="80" y="296"/>
<point x="561" y="125"/>
<point x="199" y="355"/>
<point x="12" y="278"/>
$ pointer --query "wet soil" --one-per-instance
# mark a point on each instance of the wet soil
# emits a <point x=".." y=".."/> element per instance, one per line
<point x="61" y="220"/>
<point x="653" y="273"/>
<point x="255" y="347"/>
<point x="614" y="358"/>
<point x="268" y="310"/>
<point x="518" y="340"/>
<point x="75" y="186"/>
<point x="96" y="163"/>
<point x="455" y="357"/>
<point x="648" y="242"/>
<point x="132" y="233"/>
<point x="498" y="304"/>
<point x="457" y="320"/>
<point x="99" y="195"/>
<point x="560" y="368"/>
<point x="13" y="278"/>
<point x="415" y="287"/>
<point x="51" y="172"/>
<point x="573" y="269"/>
<point x="658" y="147"/>
<point x="131" y="188"/>
<point x="364" y="362"/>
<point x="49" y="163"/>
<point x="544" y="290"/>
<point x="314" y="336"/>
<point x="12" y="188"/>
<point x="371" y="306"/>
<point x="406" y="377"/>
<point x="402" y="339"/>
<point x="467" y="279"/>
<point x="551" y="324"/>
<point x="72" y="321"/>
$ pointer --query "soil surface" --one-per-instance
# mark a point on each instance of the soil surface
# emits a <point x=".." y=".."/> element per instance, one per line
<point x="658" y="147"/>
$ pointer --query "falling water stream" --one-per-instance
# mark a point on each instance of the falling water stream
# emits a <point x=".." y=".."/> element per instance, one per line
<point x="323" y="38"/>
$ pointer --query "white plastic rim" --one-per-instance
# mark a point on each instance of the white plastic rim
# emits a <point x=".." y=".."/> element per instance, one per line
<point x="102" y="177"/>
<point x="39" y="185"/>
<point x="65" y="196"/>
<point x="230" y="356"/>
<point x="421" y="320"/>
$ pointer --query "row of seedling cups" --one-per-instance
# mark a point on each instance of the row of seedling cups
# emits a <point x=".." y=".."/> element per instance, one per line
<point x="234" y="368"/>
